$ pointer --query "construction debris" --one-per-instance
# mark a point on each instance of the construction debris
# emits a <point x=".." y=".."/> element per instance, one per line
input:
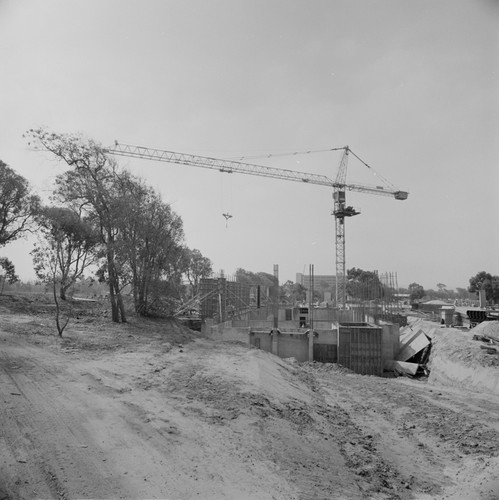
<point x="491" y="349"/>
<point x="403" y="368"/>
<point x="492" y="343"/>
<point x="412" y="344"/>
<point x="413" y="354"/>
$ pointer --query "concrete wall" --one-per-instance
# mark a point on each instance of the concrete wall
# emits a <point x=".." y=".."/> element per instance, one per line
<point x="262" y="340"/>
<point x="323" y="318"/>
<point x="260" y="324"/>
<point x="293" y="345"/>
<point x="230" y="333"/>
<point x="326" y="336"/>
<point x="323" y="325"/>
<point x="391" y="341"/>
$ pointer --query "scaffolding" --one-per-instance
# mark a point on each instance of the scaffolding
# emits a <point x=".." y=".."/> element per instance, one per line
<point x="224" y="297"/>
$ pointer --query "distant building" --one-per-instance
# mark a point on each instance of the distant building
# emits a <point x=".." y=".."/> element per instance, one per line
<point x="320" y="281"/>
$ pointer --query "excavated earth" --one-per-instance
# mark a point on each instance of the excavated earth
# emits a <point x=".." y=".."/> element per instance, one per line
<point x="150" y="409"/>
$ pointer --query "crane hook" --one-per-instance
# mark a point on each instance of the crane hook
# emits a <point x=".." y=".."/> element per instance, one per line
<point x="227" y="217"/>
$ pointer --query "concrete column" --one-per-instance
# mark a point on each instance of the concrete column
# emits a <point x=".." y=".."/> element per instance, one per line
<point x="311" y="345"/>
<point x="276" y="296"/>
<point x="482" y="301"/>
<point x="275" y="341"/>
<point x="311" y="314"/>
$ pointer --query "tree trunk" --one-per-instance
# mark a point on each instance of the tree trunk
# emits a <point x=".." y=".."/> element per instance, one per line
<point x="112" y="299"/>
<point x="119" y="300"/>
<point x="60" y="325"/>
<point x="115" y="314"/>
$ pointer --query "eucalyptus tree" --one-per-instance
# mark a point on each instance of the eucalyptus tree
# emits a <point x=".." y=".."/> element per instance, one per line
<point x="9" y="273"/>
<point x="66" y="247"/>
<point x="150" y="242"/>
<point x="485" y="281"/>
<point x="141" y="237"/>
<point x="17" y="204"/>
<point x="89" y="188"/>
<point x="195" y="267"/>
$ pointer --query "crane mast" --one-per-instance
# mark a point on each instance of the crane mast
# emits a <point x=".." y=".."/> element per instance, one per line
<point x="339" y="185"/>
<point x="340" y="212"/>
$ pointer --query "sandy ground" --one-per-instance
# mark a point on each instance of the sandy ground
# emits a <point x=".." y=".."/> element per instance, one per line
<point x="459" y="361"/>
<point x="152" y="410"/>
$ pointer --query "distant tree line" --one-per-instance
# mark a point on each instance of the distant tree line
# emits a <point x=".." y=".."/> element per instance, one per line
<point x="481" y="281"/>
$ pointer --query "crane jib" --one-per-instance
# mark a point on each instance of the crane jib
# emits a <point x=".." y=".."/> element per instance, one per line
<point x="230" y="166"/>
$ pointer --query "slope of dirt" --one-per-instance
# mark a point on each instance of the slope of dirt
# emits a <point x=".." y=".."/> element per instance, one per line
<point x="459" y="361"/>
<point x="152" y="410"/>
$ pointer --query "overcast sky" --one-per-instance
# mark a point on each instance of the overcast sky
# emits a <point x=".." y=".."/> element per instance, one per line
<point x="410" y="86"/>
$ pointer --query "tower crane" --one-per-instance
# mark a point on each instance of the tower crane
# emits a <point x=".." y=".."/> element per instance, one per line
<point x="339" y="185"/>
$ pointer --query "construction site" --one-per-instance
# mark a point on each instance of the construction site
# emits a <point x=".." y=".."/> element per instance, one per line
<point x="284" y="406"/>
<point x="359" y="331"/>
<point x="248" y="250"/>
<point x="233" y="311"/>
<point x="245" y="393"/>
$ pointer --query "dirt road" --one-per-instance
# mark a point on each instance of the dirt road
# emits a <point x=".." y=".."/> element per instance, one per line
<point x="127" y="413"/>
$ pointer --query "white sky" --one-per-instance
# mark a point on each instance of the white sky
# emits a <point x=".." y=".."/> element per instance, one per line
<point x="411" y="87"/>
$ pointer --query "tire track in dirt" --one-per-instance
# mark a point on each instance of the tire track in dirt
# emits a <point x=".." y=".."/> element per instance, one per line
<point x="47" y="435"/>
<point x="420" y="431"/>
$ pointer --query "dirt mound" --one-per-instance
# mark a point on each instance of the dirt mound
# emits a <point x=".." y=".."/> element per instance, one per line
<point x="458" y="360"/>
<point x="490" y="328"/>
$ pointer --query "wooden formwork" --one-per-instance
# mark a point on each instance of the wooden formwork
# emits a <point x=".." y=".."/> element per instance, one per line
<point x="360" y="348"/>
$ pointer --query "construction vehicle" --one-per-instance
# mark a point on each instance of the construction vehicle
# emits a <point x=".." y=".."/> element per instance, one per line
<point x="339" y="185"/>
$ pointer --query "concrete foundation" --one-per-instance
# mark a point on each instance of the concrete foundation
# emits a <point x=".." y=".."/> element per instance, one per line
<point x="362" y="347"/>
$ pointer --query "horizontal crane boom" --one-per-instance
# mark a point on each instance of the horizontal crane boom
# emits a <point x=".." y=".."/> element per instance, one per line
<point x="231" y="166"/>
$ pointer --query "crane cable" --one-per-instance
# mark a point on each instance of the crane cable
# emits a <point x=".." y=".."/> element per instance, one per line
<point x="273" y="155"/>
<point x="226" y="204"/>
<point x="386" y="181"/>
<point x="310" y="151"/>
